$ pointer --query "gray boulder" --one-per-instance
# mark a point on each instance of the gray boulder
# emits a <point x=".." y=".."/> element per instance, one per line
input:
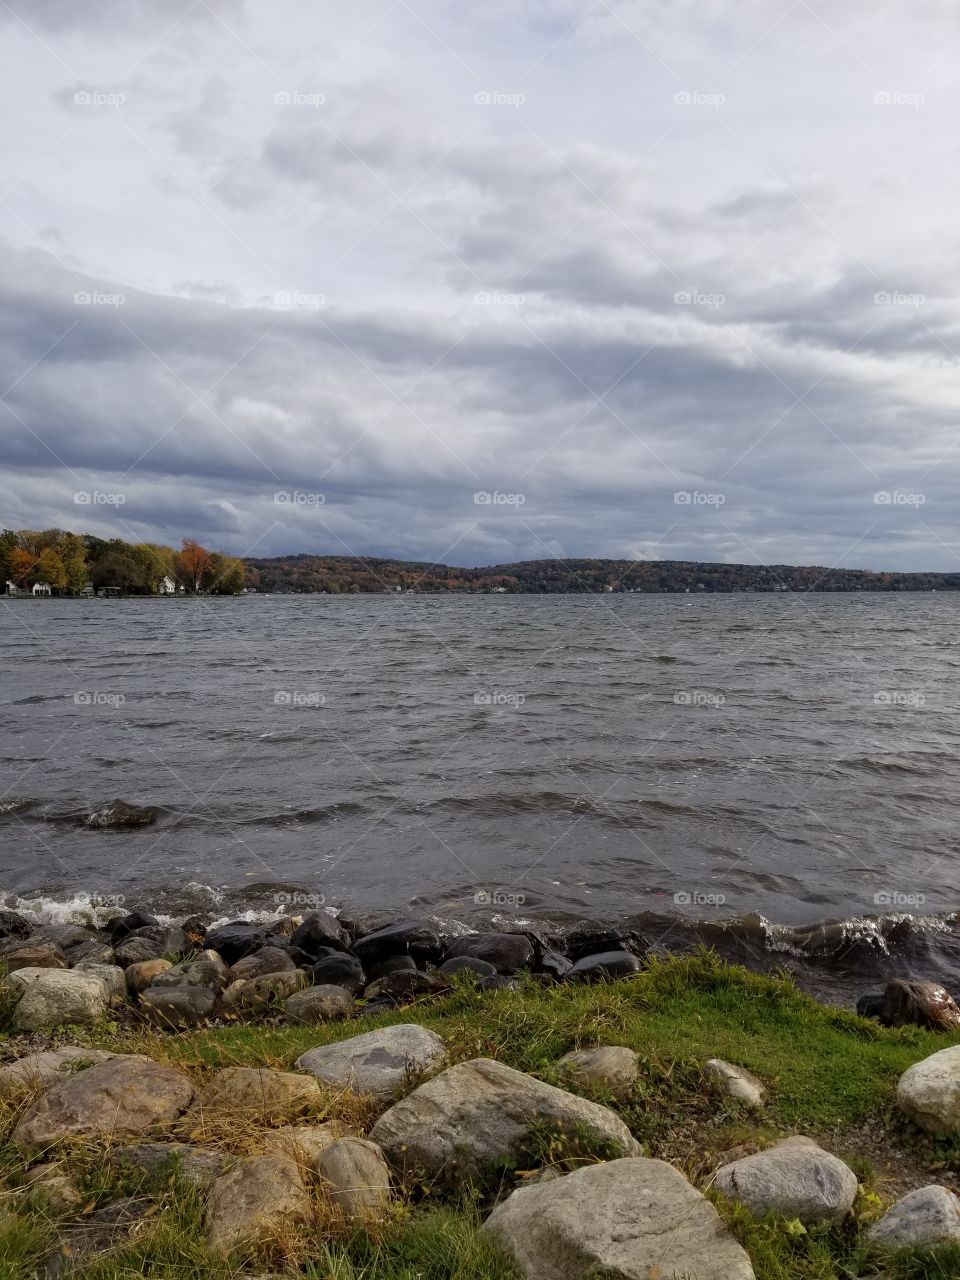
<point x="736" y="1082"/>
<point x="626" y="1219"/>
<point x="929" y="1092"/>
<point x="611" y="1068"/>
<point x="927" y="1216"/>
<point x="257" y="1201"/>
<point x="57" y="997"/>
<point x="477" y="1113"/>
<point x="377" y="1062"/>
<point x="255" y="1093"/>
<point x="177" y="1007"/>
<point x="266" y="960"/>
<point x="111" y="975"/>
<point x="355" y="1178"/>
<point x="795" y="1179"/>
<point x="320" y="1004"/>
<point x="40" y="1070"/>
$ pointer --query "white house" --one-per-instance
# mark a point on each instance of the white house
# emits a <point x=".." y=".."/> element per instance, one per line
<point x="41" y="589"/>
<point x="13" y="589"/>
<point x="167" y="586"/>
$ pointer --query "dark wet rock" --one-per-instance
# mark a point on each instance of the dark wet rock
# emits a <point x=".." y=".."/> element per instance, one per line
<point x="405" y="937"/>
<point x="320" y="1004"/>
<point x="64" y="936"/>
<point x="608" y="964"/>
<point x="13" y="925"/>
<point x="241" y="938"/>
<point x="507" y="952"/>
<point x="457" y="964"/>
<point x="319" y="929"/>
<point x="408" y="984"/>
<point x="171" y="937"/>
<point x="381" y="1004"/>
<point x="122" y="926"/>
<point x="589" y="938"/>
<point x="104" y="1229"/>
<point x="340" y="970"/>
<point x="118" y="815"/>
<point x="258" y="963"/>
<point x="905" y="1002"/>
<point x="177" y="1007"/>
<point x="195" y="928"/>
<point x="90" y="952"/>
<point x="555" y="965"/>
<point x="394" y="964"/>
<point x="136" y="950"/>
<point x="31" y="955"/>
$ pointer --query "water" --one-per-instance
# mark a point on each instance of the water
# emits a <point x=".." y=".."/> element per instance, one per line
<point x="730" y="767"/>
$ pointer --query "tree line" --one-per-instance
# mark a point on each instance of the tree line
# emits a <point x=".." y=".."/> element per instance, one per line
<point x="67" y="562"/>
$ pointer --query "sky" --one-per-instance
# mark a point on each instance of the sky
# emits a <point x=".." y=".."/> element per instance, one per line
<point x="474" y="284"/>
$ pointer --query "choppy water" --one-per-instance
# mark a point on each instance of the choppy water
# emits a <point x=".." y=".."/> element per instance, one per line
<point x="747" y="762"/>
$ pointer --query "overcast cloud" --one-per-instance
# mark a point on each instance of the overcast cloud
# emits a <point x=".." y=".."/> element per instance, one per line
<point x="308" y="278"/>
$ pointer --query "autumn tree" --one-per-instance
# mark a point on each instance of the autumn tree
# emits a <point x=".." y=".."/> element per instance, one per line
<point x="50" y="569"/>
<point x="22" y="566"/>
<point x="196" y="563"/>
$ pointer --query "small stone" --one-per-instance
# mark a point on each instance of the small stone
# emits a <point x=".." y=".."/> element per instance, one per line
<point x="356" y="1178"/>
<point x="255" y="965"/>
<point x="611" y="1068"/>
<point x="736" y="1082"/>
<point x="927" y="1216"/>
<point x="320" y="1004"/>
<point x="269" y="1097"/>
<point x="52" y="1190"/>
<point x="258" y="1201"/>
<point x="140" y="975"/>
<point x="377" y="1062"/>
<point x="795" y="1179"/>
<point x="204" y="970"/>
<point x="269" y="988"/>
<point x="177" y="1007"/>
<point x="929" y="1092"/>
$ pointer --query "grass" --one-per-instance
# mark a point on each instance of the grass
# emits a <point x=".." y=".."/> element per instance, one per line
<point x="830" y="1074"/>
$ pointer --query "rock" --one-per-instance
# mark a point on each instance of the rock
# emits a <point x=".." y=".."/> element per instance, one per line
<point x="319" y="1004"/>
<point x="269" y="988"/>
<point x="377" y="1062"/>
<point x="629" y="1219"/>
<point x="254" y="1093"/>
<point x="239" y="938"/>
<point x="606" y="964"/>
<point x="31" y="955"/>
<point x="590" y="938"/>
<point x="57" y="997"/>
<point x="112" y="977"/>
<point x="929" y="1092"/>
<point x="258" y="963"/>
<point x="923" y="1004"/>
<point x="469" y="964"/>
<point x="122" y="926"/>
<point x="507" y="952"/>
<point x="340" y="971"/>
<point x="205" y="970"/>
<point x="355" y="1177"/>
<point x="259" y="1200"/>
<point x="64" y="936"/>
<point x="499" y="982"/>
<point x="195" y="930"/>
<point x="406" y="937"/>
<point x="14" y="925"/>
<point x="100" y="1231"/>
<point x="736" y="1082"/>
<point x="198" y="1166"/>
<point x="136" y="949"/>
<point x="382" y="1004"/>
<point x="319" y="929"/>
<point x="177" y="1007"/>
<point x="39" y="1070"/>
<point x="124" y="1096"/>
<point x="478" y="1113"/>
<point x="304" y="1143"/>
<point x="927" y="1216"/>
<point x="51" y="1190"/>
<point x="407" y="984"/>
<point x="611" y="1068"/>
<point x="795" y="1179"/>
<point x="555" y="965"/>
<point x="88" y="953"/>
<point x="119" y="815"/>
<point x="394" y="964"/>
<point x="140" y="975"/>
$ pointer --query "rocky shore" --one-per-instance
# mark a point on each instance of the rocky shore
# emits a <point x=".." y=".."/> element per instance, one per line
<point x="334" y="1132"/>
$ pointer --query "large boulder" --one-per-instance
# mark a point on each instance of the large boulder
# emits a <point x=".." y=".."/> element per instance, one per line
<point x="377" y="1062"/>
<point x="406" y="937"/>
<point x="929" y="1092"/>
<point x="795" y="1179"/>
<point x="927" y="1216"/>
<point x="629" y="1219"/>
<point x="177" y="1007"/>
<point x="31" y="955"/>
<point x="258" y="1201"/>
<point x="478" y="1113"/>
<point x="40" y="1070"/>
<point x="340" y="970"/>
<point x="610" y="1068"/>
<point x="320" y="1004"/>
<point x="112" y="976"/>
<point x="319" y="929"/>
<point x="122" y="1097"/>
<point x="356" y="1178"/>
<point x="253" y="1093"/>
<point x="507" y="952"/>
<point x="591" y="937"/>
<point x="57" y="997"/>
<point x="239" y="938"/>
